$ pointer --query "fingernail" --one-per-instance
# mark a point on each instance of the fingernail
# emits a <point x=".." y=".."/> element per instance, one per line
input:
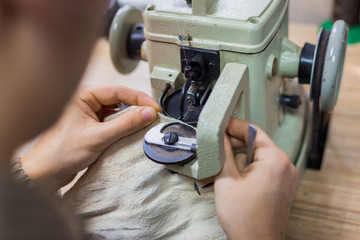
<point x="157" y="108"/>
<point x="149" y="114"/>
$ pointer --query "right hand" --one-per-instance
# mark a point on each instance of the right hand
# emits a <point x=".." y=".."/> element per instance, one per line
<point x="80" y="136"/>
<point x="254" y="202"/>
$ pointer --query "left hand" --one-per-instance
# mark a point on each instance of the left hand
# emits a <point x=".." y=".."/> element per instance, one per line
<point x="80" y="136"/>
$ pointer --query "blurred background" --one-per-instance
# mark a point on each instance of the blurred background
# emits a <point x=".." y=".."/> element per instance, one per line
<point x="300" y="11"/>
<point x="321" y="13"/>
<point x="310" y="11"/>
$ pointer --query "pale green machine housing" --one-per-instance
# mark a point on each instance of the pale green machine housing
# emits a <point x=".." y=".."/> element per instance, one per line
<point x="257" y="71"/>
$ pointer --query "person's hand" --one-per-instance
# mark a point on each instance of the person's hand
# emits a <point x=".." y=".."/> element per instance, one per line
<point x="254" y="202"/>
<point x="80" y="136"/>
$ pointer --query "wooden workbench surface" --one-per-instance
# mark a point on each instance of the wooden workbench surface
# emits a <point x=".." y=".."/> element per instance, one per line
<point x="327" y="202"/>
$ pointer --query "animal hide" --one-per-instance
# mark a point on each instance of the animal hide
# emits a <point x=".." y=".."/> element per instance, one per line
<point x="124" y="195"/>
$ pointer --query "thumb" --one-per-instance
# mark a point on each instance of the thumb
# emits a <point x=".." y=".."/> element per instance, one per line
<point x="127" y="123"/>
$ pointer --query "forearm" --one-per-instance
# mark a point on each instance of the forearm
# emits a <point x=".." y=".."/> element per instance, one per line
<point x="41" y="171"/>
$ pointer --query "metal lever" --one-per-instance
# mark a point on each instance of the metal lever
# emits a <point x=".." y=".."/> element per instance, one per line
<point x="252" y="131"/>
<point x="156" y="137"/>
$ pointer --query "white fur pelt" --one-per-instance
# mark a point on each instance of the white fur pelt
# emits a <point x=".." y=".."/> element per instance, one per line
<point x="124" y="195"/>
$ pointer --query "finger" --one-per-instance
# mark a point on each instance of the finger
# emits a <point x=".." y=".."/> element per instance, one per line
<point x="229" y="168"/>
<point x="238" y="128"/>
<point x="240" y="160"/>
<point x="97" y="97"/>
<point x="127" y="123"/>
<point x="236" y="143"/>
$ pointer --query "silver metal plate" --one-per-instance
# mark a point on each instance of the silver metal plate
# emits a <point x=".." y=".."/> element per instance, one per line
<point x="156" y="137"/>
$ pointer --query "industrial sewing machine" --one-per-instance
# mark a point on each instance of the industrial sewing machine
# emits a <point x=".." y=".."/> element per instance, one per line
<point x="214" y="59"/>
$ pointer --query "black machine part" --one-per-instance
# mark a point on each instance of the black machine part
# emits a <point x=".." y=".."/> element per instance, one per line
<point x="311" y="68"/>
<point x="291" y="101"/>
<point x="171" y="107"/>
<point x="320" y="120"/>
<point x="135" y="40"/>
<point x="200" y="68"/>
<point x="306" y="63"/>
<point x="207" y="62"/>
<point x="167" y="153"/>
<point x="189" y="3"/>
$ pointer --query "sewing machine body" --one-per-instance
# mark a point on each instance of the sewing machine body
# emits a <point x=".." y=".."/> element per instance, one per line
<point x="254" y="43"/>
<point x="246" y="49"/>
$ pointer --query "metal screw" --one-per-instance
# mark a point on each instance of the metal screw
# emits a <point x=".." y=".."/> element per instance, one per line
<point x="198" y="95"/>
<point x="290" y="101"/>
<point x="171" y="138"/>
<point x="182" y="37"/>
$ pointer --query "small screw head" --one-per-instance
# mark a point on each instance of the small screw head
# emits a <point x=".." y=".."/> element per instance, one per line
<point x="198" y="95"/>
<point x="290" y="101"/>
<point x="181" y="37"/>
<point x="171" y="138"/>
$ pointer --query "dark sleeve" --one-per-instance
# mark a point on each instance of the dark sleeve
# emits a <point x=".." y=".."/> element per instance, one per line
<point x="19" y="173"/>
<point x="33" y="214"/>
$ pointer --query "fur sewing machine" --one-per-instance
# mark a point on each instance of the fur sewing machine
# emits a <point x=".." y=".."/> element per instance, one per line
<point x="213" y="59"/>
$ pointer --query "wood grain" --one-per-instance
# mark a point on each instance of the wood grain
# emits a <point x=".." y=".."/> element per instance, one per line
<point x="327" y="202"/>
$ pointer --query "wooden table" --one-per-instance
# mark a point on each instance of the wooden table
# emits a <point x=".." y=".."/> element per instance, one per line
<point x="327" y="202"/>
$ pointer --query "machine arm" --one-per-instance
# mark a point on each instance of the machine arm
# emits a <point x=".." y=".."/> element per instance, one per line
<point x="233" y="82"/>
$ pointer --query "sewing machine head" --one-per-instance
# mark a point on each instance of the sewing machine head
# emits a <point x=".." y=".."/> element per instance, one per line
<point x="214" y="59"/>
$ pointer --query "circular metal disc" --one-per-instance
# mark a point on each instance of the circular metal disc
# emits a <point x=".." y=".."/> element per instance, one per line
<point x="164" y="155"/>
<point x="333" y="67"/>
<point x="124" y="20"/>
